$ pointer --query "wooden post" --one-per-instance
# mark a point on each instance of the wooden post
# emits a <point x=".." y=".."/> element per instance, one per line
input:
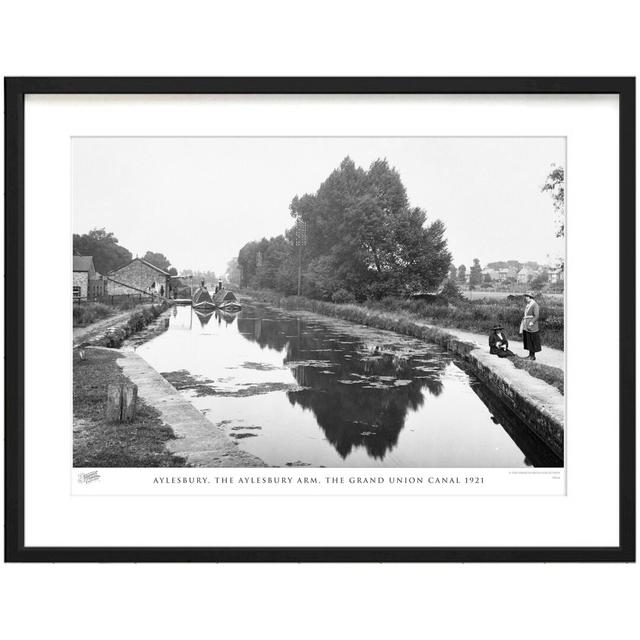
<point x="114" y="403"/>
<point x="129" y="400"/>
<point x="121" y="402"/>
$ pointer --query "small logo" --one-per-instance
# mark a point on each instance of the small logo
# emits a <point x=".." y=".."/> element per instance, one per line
<point x="90" y="476"/>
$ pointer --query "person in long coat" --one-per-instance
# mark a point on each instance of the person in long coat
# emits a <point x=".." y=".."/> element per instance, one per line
<point x="529" y="327"/>
<point x="498" y="343"/>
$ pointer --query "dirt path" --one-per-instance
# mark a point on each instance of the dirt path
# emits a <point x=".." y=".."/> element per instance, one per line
<point x="82" y="334"/>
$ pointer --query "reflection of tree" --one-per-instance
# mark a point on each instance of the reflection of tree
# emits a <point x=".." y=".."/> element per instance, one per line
<point x="359" y="395"/>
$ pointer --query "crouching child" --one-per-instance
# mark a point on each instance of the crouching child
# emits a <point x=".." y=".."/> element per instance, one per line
<point x="498" y="343"/>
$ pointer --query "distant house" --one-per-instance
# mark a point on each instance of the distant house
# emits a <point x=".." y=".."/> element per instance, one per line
<point x="556" y="275"/>
<point x="525" y="275"/>
<point x="489" y="274"/>
<point x="507" y="273"/>
<point x="139" y="276"/>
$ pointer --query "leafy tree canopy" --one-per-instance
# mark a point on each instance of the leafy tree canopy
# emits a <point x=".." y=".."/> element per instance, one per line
<point x="103" y="246"/>
<point x="554" y="185"/>
<point x="157" y="260"/>
<point x="362" y="237"/>
<point x="475" y="273"/>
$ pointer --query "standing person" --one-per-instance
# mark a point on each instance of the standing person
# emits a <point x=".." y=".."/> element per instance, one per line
<point x="529" y="326"/>
<point x="219" y="284"/>
<point x="162" y="290"/>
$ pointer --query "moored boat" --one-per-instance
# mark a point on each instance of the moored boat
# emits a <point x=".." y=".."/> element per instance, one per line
<point x="202" y="299"/>
<point x="226" y="299"/>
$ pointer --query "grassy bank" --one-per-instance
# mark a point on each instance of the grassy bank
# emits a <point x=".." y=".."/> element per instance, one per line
<point x="403" y="320"/>
<point x="551" y="375"/>
<point x="84" y="314"/>
<point x="476" y="316"/>
<point x="114" y="336"/>
<point x="479" y="316"/>
<point x="97" y="444"/>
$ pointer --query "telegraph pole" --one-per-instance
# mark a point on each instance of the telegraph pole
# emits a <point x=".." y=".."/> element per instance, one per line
<point x="301" y="241"/>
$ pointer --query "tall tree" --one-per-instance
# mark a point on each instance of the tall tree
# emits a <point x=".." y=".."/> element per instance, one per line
<point x="157" y="260"/>
<point x="103" y="246"/>
<point x="475" y="273"/>
<point x="232" y="274"/>
<point x="453" y="272"/>
<point x="462" y="274"/>
<point x="363" y="237"/>
<point x="247" y="263"/>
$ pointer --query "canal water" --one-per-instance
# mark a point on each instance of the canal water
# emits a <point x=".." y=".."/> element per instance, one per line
<point x="298" y="389"/>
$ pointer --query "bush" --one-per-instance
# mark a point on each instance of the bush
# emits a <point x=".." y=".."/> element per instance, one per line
<point x="342" y="296"/>
<point x="89" y="312"/>
<point x="451" y="291"/>
<point x="477" y="316"/>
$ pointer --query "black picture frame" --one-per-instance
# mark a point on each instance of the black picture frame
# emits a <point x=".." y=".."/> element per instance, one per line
<point x="15" y="91"/>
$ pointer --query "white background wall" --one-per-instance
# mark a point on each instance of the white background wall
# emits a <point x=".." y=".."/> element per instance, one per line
<point x="327" y="38"/>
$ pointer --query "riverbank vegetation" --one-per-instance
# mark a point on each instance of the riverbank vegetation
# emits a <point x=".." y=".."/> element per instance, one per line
<point x="86" y="313"/>
<point x="480" y="316"/>
<point x="90" y="312"/>
<point x="98" y="444"/>
<point x="112" y="333"/>
<point x="408" y="321"/>
<point x="447" y="311"/>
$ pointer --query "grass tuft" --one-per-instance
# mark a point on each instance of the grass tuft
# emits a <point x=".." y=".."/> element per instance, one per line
<point x="98" y="444"/>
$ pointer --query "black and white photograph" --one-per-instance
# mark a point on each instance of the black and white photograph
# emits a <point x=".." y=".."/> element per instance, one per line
<point x="319" y="302"/>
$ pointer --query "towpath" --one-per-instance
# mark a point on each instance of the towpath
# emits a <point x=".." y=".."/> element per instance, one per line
<point x="84" y="334"/>
<point x="198" y="440"/>
<point x="551" y="357"/>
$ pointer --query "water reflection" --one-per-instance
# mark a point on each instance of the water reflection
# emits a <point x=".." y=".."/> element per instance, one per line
<point x="359" y="394"/>
<point x="225" y="316"/>
<point x="203" y="316"/>
<point x="304" y="390"/>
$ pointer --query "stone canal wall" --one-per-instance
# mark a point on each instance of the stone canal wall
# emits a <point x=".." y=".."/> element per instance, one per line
<point x="200" y="442"/>
<point x="539" y="405"/>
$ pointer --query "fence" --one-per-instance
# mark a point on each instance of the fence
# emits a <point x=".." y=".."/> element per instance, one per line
<point x="120" y="299"/>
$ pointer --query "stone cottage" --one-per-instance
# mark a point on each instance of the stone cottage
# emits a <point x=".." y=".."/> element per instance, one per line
<point x="139" y="276"/>
<point x="88" y="283"/>
<point x="83" y="272"/>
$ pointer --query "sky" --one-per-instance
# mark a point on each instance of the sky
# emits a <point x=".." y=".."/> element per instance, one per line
<point x="199" y="200"/>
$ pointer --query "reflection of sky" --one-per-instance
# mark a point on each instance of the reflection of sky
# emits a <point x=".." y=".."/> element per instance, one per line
<point x="447" y="429"/>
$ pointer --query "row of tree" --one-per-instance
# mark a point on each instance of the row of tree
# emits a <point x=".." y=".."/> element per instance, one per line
<point x="460" y="274"/>
<point x="356" y="237"/>
<point x="108" y="254"/>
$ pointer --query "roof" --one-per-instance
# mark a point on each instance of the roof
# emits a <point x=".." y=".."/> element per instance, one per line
<point x="83" y="263"/>
<point x="153" y="266"/>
